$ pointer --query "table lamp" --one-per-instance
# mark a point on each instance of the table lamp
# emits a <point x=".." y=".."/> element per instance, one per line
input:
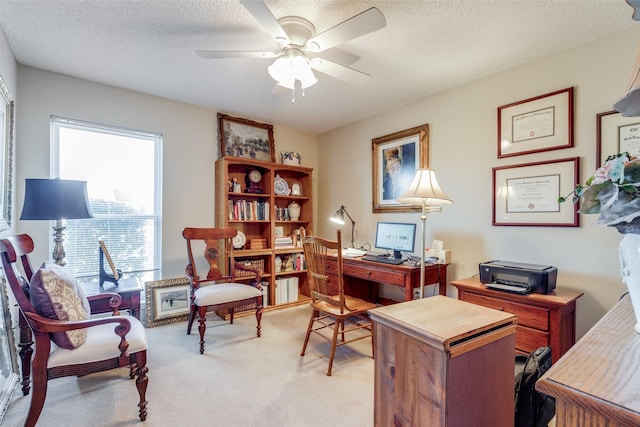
<point x="338" y="218"/>
<point x="56" y="199"/>
<point x="425" y="192"/>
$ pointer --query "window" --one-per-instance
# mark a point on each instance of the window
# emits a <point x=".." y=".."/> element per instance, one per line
<point x="122" y="168"/>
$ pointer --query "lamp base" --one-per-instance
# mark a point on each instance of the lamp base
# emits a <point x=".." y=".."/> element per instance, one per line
<point x="58" y="239"/>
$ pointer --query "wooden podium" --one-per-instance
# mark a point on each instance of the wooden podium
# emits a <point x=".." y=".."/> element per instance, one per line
<point x="443" y="362"/>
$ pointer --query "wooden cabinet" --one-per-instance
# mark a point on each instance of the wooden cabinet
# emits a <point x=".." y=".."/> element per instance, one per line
<point x="543" y="320"/>
<point x="443" y="362"/>
<point x="597" y="383"/>
<point x="261" y="216"/>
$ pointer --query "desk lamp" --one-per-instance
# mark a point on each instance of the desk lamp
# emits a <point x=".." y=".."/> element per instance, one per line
<point x="338" y="218"/>
<point x="56" y="199"/>
<point x="425" y="192"/>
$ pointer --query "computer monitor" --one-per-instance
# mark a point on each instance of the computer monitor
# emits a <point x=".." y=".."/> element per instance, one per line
<point x="396" y="237"/>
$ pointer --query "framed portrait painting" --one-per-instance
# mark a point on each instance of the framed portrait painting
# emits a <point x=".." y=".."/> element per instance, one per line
<point x="616" y="134"/>
<point x="245" y="139"/>
<point x="396" y="158"/>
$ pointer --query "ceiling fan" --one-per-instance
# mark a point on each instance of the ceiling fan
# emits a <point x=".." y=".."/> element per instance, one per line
<point x="298" y="45"/>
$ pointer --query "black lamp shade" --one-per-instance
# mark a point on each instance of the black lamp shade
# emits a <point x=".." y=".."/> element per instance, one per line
<point x="53" y="199"/>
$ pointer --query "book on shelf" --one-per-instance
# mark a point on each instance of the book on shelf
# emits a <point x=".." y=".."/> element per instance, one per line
<point x="286" y="290"/>
<point x="283" y="242"/>
<point x="247" y="210"/>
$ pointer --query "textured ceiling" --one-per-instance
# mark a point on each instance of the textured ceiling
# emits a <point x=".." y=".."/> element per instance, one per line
<point x="426" y="47"/>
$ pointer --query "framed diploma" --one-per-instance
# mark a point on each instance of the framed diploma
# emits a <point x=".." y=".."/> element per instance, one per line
<point x="616" y="134"/>
<point x="537" y="124"/>
<point x="527" y="194"/>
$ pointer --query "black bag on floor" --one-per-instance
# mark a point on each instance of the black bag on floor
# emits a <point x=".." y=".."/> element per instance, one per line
<point x="532" y="408"/>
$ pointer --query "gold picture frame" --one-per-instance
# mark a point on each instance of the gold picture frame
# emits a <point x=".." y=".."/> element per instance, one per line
<point x="168" y="301"/>
<point x="396" y="158"/>
<point x="245" y="139"/>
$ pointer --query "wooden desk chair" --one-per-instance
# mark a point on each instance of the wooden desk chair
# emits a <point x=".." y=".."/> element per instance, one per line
<point x="218" y="291"/>
<point x="331" y="307"/>
<point x="111" y="342"/>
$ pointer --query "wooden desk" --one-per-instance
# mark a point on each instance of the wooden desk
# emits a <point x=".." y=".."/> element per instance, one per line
<point x="129" y="289"/>
<point x="597" y="383"/>
<point x="543" y="320"/>
<point x="443" y="362"/>
<point x="361" y="277"/>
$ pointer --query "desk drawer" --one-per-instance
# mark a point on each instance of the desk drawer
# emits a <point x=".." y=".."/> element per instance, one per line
<point x="527" y="339"/>
<point x="534" y="317"/>
<point x="374" y="275"/>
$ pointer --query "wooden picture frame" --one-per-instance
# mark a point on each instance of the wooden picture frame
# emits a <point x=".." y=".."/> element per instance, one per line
<point x="616" y="134"/>
<point x="167" y="301"/>
<point x="527" y="194"/>
<point x="245" y="139"/>
<point x="396" y="158"/>
<point x="542" y="123"/>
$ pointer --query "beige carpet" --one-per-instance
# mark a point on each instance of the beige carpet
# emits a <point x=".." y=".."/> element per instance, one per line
<point x="241" y="380"/>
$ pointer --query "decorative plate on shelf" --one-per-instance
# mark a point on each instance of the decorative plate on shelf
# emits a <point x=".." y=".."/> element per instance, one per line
<point x="280" y="186"/>
<point x="239" y="240"/>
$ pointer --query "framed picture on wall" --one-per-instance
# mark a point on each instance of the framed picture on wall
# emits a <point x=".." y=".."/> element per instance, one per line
<point x="536" y="124"/>
<point x="245" y="138"/>
<point x="396" y="158"/>
<point x="527" y="194"/>
<point x="616" y="134"/>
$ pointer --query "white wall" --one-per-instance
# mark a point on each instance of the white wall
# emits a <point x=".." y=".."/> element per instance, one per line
<point x="190" y="149"/>
<point x="463" y="149"/>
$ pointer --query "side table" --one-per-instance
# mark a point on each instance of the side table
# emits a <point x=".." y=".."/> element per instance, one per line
<point x="129" y="289"/>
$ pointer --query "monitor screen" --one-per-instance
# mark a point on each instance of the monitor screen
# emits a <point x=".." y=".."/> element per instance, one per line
<point x="395" y="236"/>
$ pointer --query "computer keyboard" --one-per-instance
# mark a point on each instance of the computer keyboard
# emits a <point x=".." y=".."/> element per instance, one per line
<point x="383" y="260"/>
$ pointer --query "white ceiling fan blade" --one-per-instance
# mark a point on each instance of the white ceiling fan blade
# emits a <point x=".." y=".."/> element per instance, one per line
<point x="213" y="54"/>
<point x="366" y="22"/>
<point x="263" y="15"/>
<point x="340" y="72"/>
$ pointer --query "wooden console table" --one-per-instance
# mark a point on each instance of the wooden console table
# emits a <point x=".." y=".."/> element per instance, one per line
<point x="597" y="383"/>
<point x="543" y="320"/>
<point x="361" y="277"/>
<point x="129" y="289"/>
<point x="443" y="362"/>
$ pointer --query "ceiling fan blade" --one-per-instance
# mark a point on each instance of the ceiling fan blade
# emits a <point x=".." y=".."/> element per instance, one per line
<point x="213" y="54"/>
<point x="366" y="22"/>
<point x="263" y="15"/>
<point x="340" y="72"/>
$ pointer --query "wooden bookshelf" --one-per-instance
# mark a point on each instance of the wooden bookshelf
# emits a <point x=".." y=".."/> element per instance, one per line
<point x="263" y="216"/>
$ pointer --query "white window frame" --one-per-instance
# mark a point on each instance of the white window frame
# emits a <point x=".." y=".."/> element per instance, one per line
<point x="56" y="123"/>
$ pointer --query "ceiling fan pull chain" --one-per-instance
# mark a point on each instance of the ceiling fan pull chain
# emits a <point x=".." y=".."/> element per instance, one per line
<point x="293" y="96"/>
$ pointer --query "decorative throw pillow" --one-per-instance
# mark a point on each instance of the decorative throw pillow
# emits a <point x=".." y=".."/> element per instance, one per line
<point x="56" y="295"/>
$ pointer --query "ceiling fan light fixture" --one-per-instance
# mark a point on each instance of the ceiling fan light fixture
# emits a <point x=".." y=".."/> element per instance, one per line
<point x="291" y="67"/>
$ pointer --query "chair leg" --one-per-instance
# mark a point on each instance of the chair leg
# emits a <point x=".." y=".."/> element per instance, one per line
<point x="231" y="312"/>
<point x="39" y="392"/>
<point x="259" y="311"/>
<point x="141" y="383"/>
<point x="334" y="342"/>
<point x="202" y="311"/>
<point x="26" y="351"/>
<point x="314" y="313"/>
<point x="192" y="316"/>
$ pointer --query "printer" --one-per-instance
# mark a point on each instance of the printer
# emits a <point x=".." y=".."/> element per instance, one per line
<point x="518" y="277"/>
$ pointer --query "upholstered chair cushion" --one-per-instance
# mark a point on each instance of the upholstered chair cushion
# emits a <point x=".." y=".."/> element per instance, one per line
<point x="102" y="343"/>
<point x="224" y="292"/>
<point x="56" y="295"/>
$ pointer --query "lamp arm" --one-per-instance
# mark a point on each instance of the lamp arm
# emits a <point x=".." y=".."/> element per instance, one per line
<point x="353" y="226"/>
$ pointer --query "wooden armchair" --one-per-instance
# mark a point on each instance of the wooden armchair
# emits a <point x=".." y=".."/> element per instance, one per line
<point x="111" y="342"/>
<point x="332" y="308"/>
<point x="217" y="291"/>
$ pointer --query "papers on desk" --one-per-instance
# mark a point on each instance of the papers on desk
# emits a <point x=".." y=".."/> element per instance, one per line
<point x="353" y="252"/>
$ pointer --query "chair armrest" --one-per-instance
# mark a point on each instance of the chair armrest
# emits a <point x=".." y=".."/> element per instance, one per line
<point x="114" y="301"/>
<point x="256" y="272"/>
<point x="44" y="324"/>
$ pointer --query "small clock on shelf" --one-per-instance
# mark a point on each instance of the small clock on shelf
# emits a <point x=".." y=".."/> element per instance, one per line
<point x="253" y="180"/>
